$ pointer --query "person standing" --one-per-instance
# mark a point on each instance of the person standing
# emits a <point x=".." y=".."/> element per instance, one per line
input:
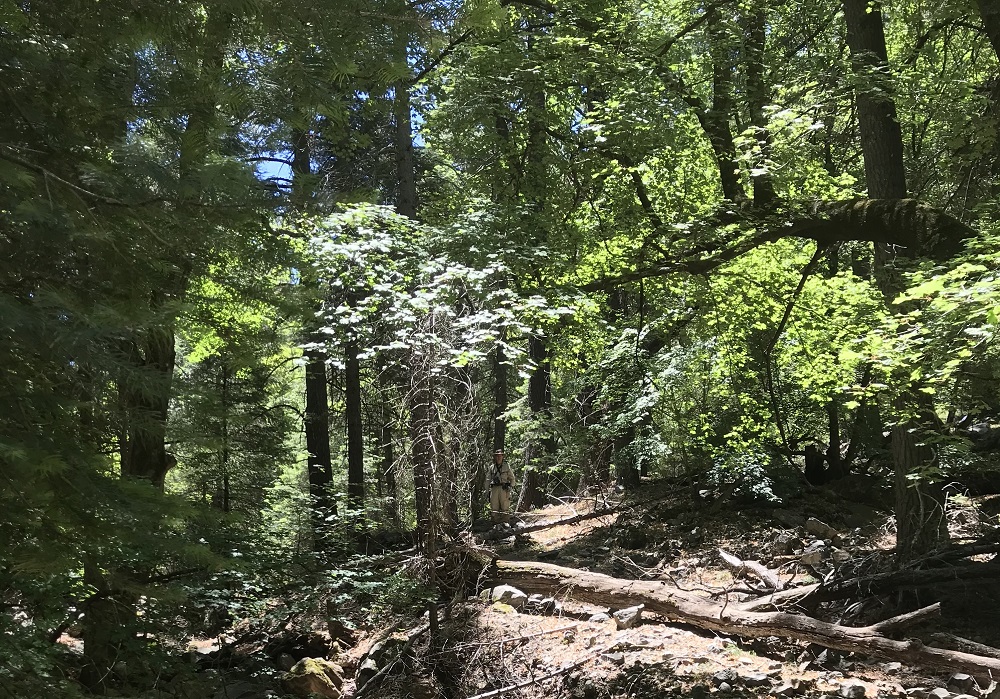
<point x="501" y="483"/>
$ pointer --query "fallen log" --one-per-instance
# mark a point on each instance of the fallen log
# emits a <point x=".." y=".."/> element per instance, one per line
<point x="807" y="597"/>
<point x="504" y="533"/>
<point x="881" y="583"/>
<point x="687" y="607"/>
<point x="948" y="640"/>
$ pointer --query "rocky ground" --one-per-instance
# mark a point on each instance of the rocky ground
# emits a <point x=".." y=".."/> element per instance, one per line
<point x="554" y="647"/>
<point x="504" y="643"/>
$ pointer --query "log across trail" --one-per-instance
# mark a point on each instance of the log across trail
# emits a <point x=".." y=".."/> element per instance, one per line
<point x="683" y="606"/>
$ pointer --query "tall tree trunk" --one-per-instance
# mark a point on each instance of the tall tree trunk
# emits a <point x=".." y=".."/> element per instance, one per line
<point x="112" y="623"/>
<point x="221" y="499"/>
<point x="920" y="524"/>
<point x="406" y="168"/>
<point x="501" y="383"/>
<point x="421" y="394"/>
<point x="989" y="11"/>
<point x="355" y="428"/>
<point x="147" y="400"/>
<point x="757" y="98"/>
<point x="317" y="429"/>
<point x="540" y="449"/>
<point x="716" y="120"/>
<point x="317" y="412"/>
<point x="421" y="397"/>
<point x="389" y="476"/>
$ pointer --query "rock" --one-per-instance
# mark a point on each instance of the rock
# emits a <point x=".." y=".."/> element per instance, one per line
<point x="939" y="693"/>
<point x="505" y="593"/>
<point x="725" y="687"/>
<point x="811" y="559"/>
<point x="502" y="608"/>
<point x="814" y="553"/>
<point x="367" y="670"/>
<point x="755" y="679"/>
<point x="285" y="662"/>
<point x="785" y="543"/>
<point x="698" y="691"/>
<point x="723" y="677"/>
<point x="840" y="555"/>
<point x="614" y="658"/>
<point x="539" y="604"/>
<point x="314" y="676"/>
<point x="856" y="514"/>
<point x="599" y="617"/>
<point x="961" y="682"/>
<point x="629" y="617"/>
<point x="786" y="690"/>
<point x="853" y="690"/>
<point x="892" y="668"/>
<point x="821" y="529"/>
<point x="917" y="692"/>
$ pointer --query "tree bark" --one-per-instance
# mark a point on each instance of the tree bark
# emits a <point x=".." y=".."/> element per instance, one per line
<point x="317" y="411"/>
<point x="317" y="428"/>
<point x="421" y="398"/>
<point x="989" y="11"/>
<point x="686" y="607"/>
<point x="716" y="120"/>
<point x="541" y="448"/>
<point x="757" y="98"/>
<point x="406" y="169"/>
<point x="919" y="507"/>
<point x="355" y="427"/>
<point x="501" y="381"/>
<point x="388" y="471"/>
<point x="146" y="393"/>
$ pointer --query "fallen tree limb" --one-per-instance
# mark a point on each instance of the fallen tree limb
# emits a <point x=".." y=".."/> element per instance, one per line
<point x="504" y="533"/>
<point x="880" y="583"/>
<point x="754" y="568"/>
<point x="807" y="597"/>
<point x="905" y="621"/>
<point x="686" y="607"/>
<point x="788" y="598"/>
<point x="963" y="644"/>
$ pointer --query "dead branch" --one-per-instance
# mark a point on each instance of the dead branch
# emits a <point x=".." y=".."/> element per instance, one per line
<point x="689" y="608"/>
<point x="904" y="621"/>
<point x="503" y="534"/>
<point x="809" y="596"/>
<point x="754" y="568"/>
<point x="948" y="640"/>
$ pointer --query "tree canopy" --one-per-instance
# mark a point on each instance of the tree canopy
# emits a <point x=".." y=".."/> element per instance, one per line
<point x="278" y="278"/>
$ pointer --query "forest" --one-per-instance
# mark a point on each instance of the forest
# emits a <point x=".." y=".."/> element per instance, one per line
<point x="283" y="283"/>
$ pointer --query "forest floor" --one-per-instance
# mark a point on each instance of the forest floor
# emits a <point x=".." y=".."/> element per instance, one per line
<point x="561" y="648"/>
